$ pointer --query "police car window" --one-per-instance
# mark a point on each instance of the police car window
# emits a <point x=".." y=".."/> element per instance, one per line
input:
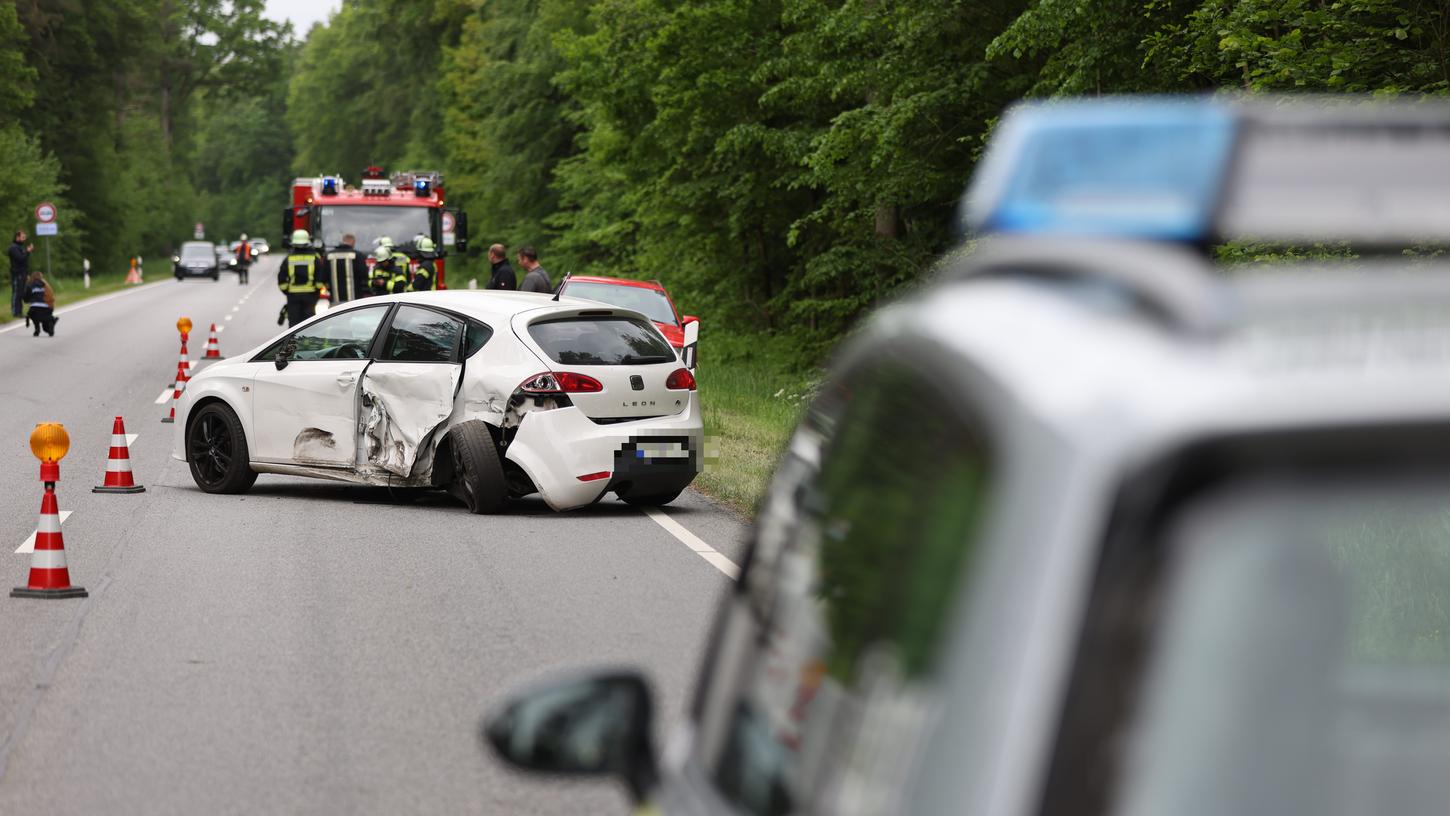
<point x="871" y="554"/>
<point x="422" y="336"/>
<point x="345" y="335"/>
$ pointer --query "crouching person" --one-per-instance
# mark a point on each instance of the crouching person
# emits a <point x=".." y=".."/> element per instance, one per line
<point x="41" y="300"/>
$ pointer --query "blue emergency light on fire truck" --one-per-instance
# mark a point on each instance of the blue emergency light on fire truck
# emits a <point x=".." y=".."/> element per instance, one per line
<point x="399" y="206"/>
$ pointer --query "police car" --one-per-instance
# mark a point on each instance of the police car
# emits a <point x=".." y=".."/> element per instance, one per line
<point x="490" y="395"/>
<point x="1094" y="525"/>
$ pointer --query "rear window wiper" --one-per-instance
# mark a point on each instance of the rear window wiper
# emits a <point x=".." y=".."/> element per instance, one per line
<point x="635" y="359"/>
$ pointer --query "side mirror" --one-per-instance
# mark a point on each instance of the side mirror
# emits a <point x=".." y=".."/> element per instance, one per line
<point x="460" y="231"/>
<point x="690" y="352"/>
<point x="595" y="725"/>
<point x="284" y="355"/>
<point x="286" y="223"/>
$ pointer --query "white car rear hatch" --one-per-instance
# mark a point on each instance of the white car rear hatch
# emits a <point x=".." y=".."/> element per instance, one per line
<point x="613" y="364"/>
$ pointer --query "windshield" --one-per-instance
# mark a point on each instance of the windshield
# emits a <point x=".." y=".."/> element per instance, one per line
<point x="1300" y="659"/>
<point x="652" y="303"/>
<point x="368" y="223"/>
<point x="601" y="341"/>
<point x="199" y="252"/>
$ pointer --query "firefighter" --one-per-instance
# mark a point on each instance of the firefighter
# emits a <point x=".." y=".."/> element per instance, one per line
<point x="300" y="278"/>
<point x="425" y="275"/>
<point x="347" y="271"/>
<point x="389" y="277"/>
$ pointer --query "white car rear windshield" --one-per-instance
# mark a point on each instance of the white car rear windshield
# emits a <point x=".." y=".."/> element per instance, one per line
<point x="601" y="341"/>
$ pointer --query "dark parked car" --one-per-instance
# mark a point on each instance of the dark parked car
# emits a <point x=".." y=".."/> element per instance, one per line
<point x="198" y="259"/>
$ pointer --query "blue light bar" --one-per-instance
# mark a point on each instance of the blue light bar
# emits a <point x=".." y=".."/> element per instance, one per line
<point x="329" y="185"/>
<point x="420" y="187"/>
<point x="1150" y="168"/>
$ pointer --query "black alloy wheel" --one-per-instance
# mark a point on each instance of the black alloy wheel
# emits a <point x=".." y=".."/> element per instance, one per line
<point x="478" y="479"/>
<point x="216" y="450"/>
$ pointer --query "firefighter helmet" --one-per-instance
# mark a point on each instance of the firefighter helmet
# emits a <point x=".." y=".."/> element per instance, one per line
<point x="244" y="236"/>
<point x="300" y="238"/>
<point x="382" y="254"/>
<point x="426" y="246"/>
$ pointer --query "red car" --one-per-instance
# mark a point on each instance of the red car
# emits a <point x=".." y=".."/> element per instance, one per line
<point x="647" y="297"/>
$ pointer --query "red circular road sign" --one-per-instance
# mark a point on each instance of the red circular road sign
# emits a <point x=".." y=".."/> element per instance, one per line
<point x="447" y="221"/>
<point x="45" y="212"/>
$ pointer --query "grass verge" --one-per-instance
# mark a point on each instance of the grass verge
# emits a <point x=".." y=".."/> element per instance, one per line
<point x="70" y="290"/>
<point x="750" y="407"/>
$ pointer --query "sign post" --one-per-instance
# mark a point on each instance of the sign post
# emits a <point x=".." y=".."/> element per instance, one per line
<point x="45" y="225"/>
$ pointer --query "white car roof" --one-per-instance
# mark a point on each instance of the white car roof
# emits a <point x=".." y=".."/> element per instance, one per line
<point x="495" y="307"/>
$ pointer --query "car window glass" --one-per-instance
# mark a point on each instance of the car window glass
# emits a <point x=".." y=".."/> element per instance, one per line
<point x="652" y="303"/>
<point x="1300" y="656"/>
<point x="422" y="336"/>
<point x="601" y="341"/>
<point x="852" y="603"/>
<point x="478" y="334"/>
<point x="347" y="335"/>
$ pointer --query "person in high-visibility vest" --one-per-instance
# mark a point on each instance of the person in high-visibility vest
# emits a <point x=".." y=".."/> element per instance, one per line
<point x="347" y="271"/>
<point x="244" y="259"/>
<point x="425" y="274"/>
<point x="300" y="278"/>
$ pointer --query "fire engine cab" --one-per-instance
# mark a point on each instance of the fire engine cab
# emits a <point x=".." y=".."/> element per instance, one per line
<point x="402" y="207"/>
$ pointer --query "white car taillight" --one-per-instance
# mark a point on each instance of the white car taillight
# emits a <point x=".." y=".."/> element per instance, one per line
<point x="681" y="380"/>
<point x="560" y="382"/>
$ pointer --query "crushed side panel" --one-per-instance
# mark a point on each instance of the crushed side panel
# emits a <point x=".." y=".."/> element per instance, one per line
<point x="403" y="405"/>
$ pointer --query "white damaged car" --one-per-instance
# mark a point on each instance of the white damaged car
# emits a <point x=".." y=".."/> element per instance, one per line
<point x="489" y="395"/>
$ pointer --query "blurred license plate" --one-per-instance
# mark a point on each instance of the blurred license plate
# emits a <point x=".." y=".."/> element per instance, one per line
<point x="660" y="450"/>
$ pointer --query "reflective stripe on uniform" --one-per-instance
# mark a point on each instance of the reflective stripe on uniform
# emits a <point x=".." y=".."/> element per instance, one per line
<point x="301" y="274"/>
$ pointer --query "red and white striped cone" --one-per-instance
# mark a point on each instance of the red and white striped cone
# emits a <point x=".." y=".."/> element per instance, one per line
<point x="181" y="379"/>
<point x="213" y="348"/>
<point x="182" y="362"/>
<point x="49" y="577"/>
<point x="118" y="465"/>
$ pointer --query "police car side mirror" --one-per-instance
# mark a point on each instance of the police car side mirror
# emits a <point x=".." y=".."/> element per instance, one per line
<point x="596" y="724"/>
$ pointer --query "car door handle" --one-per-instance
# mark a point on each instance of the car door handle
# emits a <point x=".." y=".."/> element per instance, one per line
<point x="346" y="379"/>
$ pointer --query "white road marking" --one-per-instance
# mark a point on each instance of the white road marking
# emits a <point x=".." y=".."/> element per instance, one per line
<point x="166" y="395"/>
<point x="131" y="440"/>
<point x="689" y="539"/>
<point x="29" y="545"/>
<point x="93" y="301"/>
<point x="229" y="317"/>
<point x="236" y="309"/>
<point x="220" y="329"/>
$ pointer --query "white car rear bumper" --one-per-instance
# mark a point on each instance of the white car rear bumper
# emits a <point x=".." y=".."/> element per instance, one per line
<point x="556" y="447"/>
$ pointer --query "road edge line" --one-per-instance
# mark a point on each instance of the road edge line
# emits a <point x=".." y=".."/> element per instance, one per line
<point x="711" y="555"/>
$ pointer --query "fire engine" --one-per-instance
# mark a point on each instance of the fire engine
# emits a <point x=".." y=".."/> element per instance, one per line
<point x="402" y="207"/>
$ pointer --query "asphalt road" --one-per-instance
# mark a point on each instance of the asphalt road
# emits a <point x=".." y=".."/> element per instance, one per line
<point x="310" y="647"/>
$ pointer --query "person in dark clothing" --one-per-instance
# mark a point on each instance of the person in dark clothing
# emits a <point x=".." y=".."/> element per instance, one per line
<point x="536" y="278"/>
<point x="41" y="299"/>
<point x="347" y="271"/>
<point x="503" y="276"/>
<point x="300" y="278"/>
<point x="426" y="273"/>
<point x="19" y="271"/>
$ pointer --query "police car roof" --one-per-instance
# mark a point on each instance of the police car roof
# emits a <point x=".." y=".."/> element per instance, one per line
<point x="1200" y="170"/>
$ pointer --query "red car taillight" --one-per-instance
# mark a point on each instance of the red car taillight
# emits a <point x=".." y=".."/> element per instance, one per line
<point x="681" y="380"/>
<point x="560" y="382"/>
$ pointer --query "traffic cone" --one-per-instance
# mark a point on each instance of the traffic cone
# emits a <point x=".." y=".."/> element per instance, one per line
<point x="133" y="277"/>
<point x="213" y="348"/>
<point x="180" y="385"/>
<point x="118" y="465"/>
<point x="49" y="577"/>
<point x="182" y="363"/>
